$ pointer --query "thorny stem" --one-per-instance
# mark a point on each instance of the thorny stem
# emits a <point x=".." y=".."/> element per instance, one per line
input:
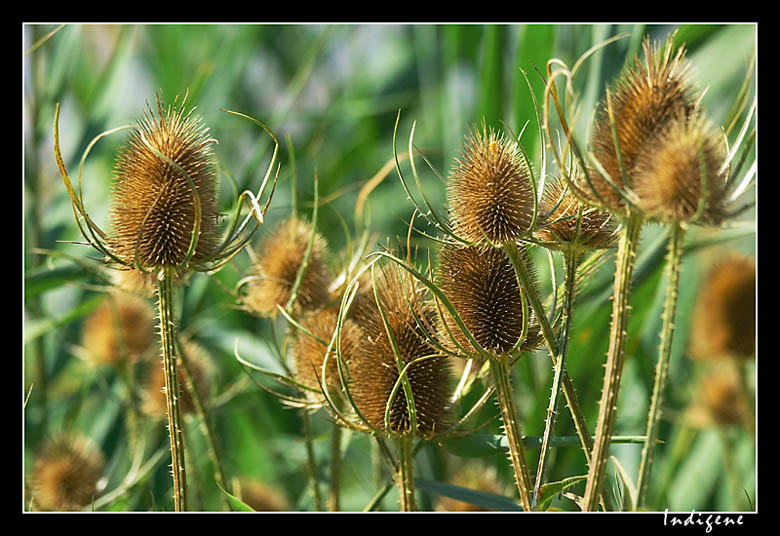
<point x="524" y="279"/>
<point x="168" y="343"/>
<point x="206" y="428"/>
<point x="624" y="268"/>
<point x="499" y="368"/>
<point x="335" y="469"/>
<point x="673" y="262"/>
<point x="570" y="268"/>
<point x="311" y="461"/>
<point x="406" y="472"/>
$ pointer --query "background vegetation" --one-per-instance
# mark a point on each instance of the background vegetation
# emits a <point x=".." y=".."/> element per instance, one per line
<point x="331" y="94"/>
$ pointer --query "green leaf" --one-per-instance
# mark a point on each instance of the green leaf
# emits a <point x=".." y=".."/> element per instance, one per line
<point x="471" y="496"/>
<point x="549" y="491"/>
<point x="43" y="279"/>
<point x="235" y="502"/>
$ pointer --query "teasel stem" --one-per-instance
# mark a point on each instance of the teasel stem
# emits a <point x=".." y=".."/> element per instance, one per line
<point x="580" y="424"/>
<point x="673" y="263"/>
<point x="165" y="282"/>
<point x="624" y="268"/>
<point x="205" y="426"/>
<point x="335" y="469"/>
<point x="499" y="368"/>
<point x="406" y="472"/>
<point x="570" y="262"/>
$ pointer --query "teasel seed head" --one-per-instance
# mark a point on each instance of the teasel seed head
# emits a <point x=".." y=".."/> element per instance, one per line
<point x="720" y="399"/>
<point x="261" y="497"/>
<point x="482" y="286"/>
<point x="724" y="318"/>
<point x="678" y="177"/>
<point x="646" y="96"/>
<point x="122" y="325"/>
<point x="374" y="371"/>
<point x="279" y="258"/>
<point x="562" y="226"/>
<point x="475" y="476"/>
<point x="153" y="394"/>
<point x="490" y="193"/>
<point x="66" y="473"/>
<point x="153" y="206"/>
<point x="309" y="353"/>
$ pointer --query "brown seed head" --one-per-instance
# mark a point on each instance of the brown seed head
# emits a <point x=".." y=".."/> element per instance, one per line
<point x="724" y="319"/>
<point x="490" y="193"/>
<point x="644" y="99"/>
<point x="720" y="399"/>
<point x="153" y="208"/>
<point x="66" y="473"/>
<point x="476" y="477"/>
<point x="153" y="394"/>
<point x="482" y="287"/>
<point x="374" y="372"/>
<point x="279" y="259"/>
<point x="681" y="169"/>
<point x="309" y="353"/>
<point x="558" y="225"/>
<point x="262" y="497"/>
<point x="121" y="321"/>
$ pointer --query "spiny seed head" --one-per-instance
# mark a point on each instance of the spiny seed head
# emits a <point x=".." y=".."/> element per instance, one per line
<point x="644" y="99"/>
<point x="490" y="194"/>
<point x="122" y="325"/>
<point x="309" y="353"/>
<point x="681" y="169"/>
<point x="262" y="497"/>
<point x="199" y="364"/>
<point x="279" y="258"/>
<point x="66" y="473"/>
<point x="720" y="399"/>
<point x="482" y="286"/>
<point x="724" y="319"/>
<point x="153" y="209"/>
<point x="475" y="476"/>
<point x="558" y="226"/>
<point x="374" y="371"/>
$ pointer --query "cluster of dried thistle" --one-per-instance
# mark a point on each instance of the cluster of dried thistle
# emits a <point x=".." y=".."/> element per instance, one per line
<point x="378" y="345"/>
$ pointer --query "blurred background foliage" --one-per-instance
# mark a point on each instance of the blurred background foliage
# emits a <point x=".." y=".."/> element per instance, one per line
<point x="331" y="94"/>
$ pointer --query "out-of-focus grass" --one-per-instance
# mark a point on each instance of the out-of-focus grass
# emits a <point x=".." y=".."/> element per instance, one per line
<point x="333" y="93"/>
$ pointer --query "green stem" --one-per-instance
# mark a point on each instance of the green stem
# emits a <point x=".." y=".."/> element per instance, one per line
<point x="624" y="268"/>
<point x="499" y="368"/>
<point x="175" y="431"/>
<point x="673" y="260"/>
<point x="570" y="268"/>
<point x="335" y="469"/>
<point x="312" y="460"/>
<point x="406" y="473"/>
<point x="206" y="428"/>
<point x="526" y="283"/>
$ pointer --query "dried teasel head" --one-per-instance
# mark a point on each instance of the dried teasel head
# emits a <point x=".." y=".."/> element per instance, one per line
<point x="490" y="193"/>
<point x="475" y="476"/>
<point x="679" y="177"/>
<point x="164" y="191"/>
<point x="261" y="497"/>
<point x="121" y="326"/>
<point x="567" y="224"/>
<point x="309" y="353"/>
<point x="153" y="388"/>
<point x="724" y="317"/>
<point x="646" y="96"/>
<point x="279" y="259"/>
<point x="481" y="284"/>
<point x="374" y="371"/>
<point x="66" y="473"/>
<point x="720" y="399"/>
